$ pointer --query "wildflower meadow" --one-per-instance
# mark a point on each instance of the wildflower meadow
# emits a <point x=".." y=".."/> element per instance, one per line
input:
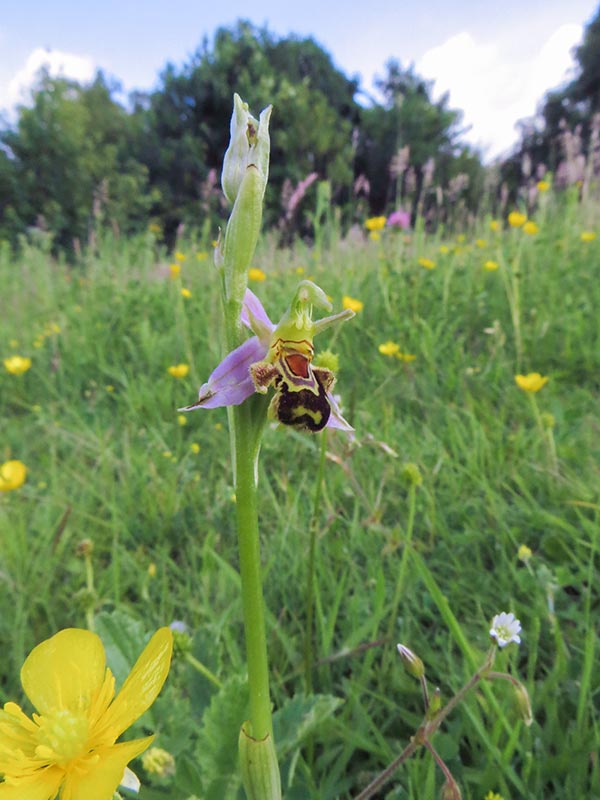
<point x="315" y="521"/>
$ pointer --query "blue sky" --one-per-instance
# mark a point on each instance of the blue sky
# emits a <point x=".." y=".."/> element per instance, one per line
<point x="496" y="59"/>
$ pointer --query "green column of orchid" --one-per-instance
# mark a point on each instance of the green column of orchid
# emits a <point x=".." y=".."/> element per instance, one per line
<point x="244" y="178"/>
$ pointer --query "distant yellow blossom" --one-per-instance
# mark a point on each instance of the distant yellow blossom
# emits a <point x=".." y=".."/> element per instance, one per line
<point x="375" y="236"/>
<point x="352" y="303"/>
<point x="195" y="448"/>
<point x="406" y="357"/>
<point x="530" y="228"/>
<point x="532" y="382"/>
<point x="524" y="553"/>
<point x="17" y="365"/>
<point x="201" y="256"/>
<point x="180" y="256"/>
<point x="444" y="249"/>
<point x="109" y="388"/>
<point x="159" y="762"/>
<point x="186" y="293"/>
<point x="493" y="796"/>
<point x="375" y="223"/>
<point x="516" y="219"/>
<point x="256" y="274"/>
<point x="152" y="570"/>
<point x="588" y="236"/>
<point x="167" y="454"/>
<point x="12" y="475"/>
<point x="481" y="243"/>
<point x="69" y="746"/>
<point x="299" y="270"/>
<point x="155" y="228"/>
<point x="543" y="186"/>
<point x="178" y="370"/>
<point x="427" y="263"/>
<point x="491" y="265"/>
<point x="495" y="225"/>
<point x="461" y="238"/>
<point x="182" y="419"/>
<point x="389" y="348"/>
<point x="174" y="269"/>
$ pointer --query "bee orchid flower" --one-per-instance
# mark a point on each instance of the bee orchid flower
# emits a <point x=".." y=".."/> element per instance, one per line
<point x="280" y="357"/>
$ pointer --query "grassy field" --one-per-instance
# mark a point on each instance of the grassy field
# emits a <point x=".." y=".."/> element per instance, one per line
<point x="111" y="461"/>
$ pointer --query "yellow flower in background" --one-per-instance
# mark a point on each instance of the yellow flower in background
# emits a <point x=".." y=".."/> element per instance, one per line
<point x="406" y="357"/>
<point x="152" y="570"/>
<point x="179" y="257"/>
<point x="155" y="228"/>
<point x="186" y="293"/>
<point x="389" y="348"/>
<point x="461" y="238"/>
<point x="69" y="744"/>
<point x="481" y="243"/>
<point x="516" y="219"/>
<point x="543" y="186"/>
<point x="195" y="448"/>
<point x="182" y="419"/>
<point x="495" y="225"/>
<point x="427" y="263"/>
<point x="17" y="365"/>
<point x="493" y="796"/>
<point x="375" y="236"/>
<point x="532" y="382"/>
<point x="375" y="223"/>
<point x="12" y="476"/>
<point x="299" y="270"/>
<point x="530" y="228"/>
<point x="490" y="265"/>
<point x="524" y="553"/>
<point x="588" y="236"/>
<point x="158" y="762"/>
<point x="256" y="274"/>
<point x="178" y="370"/>
<point x="202" y="256"/>
<point x="174" y="269"/>
<point x="352" y="303"/>
<point x="444" y="249"/>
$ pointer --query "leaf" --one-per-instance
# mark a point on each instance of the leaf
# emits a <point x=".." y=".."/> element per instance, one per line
<point x="299" y="717"/>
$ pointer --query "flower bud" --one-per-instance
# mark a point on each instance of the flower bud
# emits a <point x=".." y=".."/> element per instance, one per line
<point x="450" y="791"/>
<point x="159" y="762"/>
<point x="523" y="704"/>
<point x="249" y="145"/>
<point x="411" y="474"/>
<point x="548" y="420"/>
<point x="412" y="663"/>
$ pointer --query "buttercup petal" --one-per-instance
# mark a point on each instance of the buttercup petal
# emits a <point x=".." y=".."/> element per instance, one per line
<point x="42" y="786"/>
<point x="141" y="687"/>
<point x="101" y="780"/>
<point x="65" y="671"/>
<point x="231" y="383"/>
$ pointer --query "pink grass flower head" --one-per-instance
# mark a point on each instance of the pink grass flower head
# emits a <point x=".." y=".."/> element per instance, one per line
<point x="280" y="357"/>
<point x="399" y="219"/>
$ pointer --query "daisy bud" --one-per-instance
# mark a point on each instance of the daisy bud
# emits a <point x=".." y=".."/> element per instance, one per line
<point x="413" y="664"/>
<point x="523" y="704"/>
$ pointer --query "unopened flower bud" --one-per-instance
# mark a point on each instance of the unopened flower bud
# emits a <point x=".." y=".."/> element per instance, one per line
<point x="435" y="703"/>
<point x="249" y="145"/>
<point x="412" y="663"/>
<point x="84" y="548"/>
<point x="548" y="420"/>
<point x="524" y="704"/>
<point x="450" y="791"/>
<point x="411" y="474"/>
<point x="159" y="762"/>
<point x="327" y="360"/>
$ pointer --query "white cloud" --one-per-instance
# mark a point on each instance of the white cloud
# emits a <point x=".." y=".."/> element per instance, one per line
<point x="68" y="65"/>
<point x="493" y="91"/>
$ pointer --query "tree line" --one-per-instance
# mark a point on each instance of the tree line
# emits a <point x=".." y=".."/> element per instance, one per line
<point x="77" y="160"/>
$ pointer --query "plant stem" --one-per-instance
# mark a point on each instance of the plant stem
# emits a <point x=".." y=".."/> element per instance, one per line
<point x="310" y="580"/>
<point x="412" y="497"/>
<point x="246" y="455"/>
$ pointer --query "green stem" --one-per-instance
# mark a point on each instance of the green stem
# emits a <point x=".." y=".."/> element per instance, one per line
<point x="310" y="581"/>
<point x="199" y="667"/>
<point x="246" y="455"/>
<point x="412" y="497"/>
<point x="89" y="581"/>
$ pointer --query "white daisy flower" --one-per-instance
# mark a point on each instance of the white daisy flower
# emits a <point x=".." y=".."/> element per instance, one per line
<point x="505" y="629"/>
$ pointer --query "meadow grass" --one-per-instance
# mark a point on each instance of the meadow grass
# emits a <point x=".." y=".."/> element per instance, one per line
<point x="110" y="461"/>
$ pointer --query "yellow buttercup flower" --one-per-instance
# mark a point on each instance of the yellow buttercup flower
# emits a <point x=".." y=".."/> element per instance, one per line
<point x="493" y="796"/>
<point x="530" y="228"/>
<point x="179" y="256"/>
<point x="375" y="223"/>
<point x="524" y="553"/>
<point x="195" y="448"/>
<point x="178" y="370"/>
<point x="586" y="236"/>
<point x="427" y="263"/>
<point x="12" y="476"/>
<point x="352" y="303"/>
<point x="481" y="243"/>
<point x="182" y="419"/>
<point x="174" y="269"/>
<point x="17" y="365"/>
<point x="256" y="274"/>
<point x="155" y="228"/>
<point x="495" y="225"/>
<point x="69" y="744"/>
<point x="406" y="357"/>
<point x="444" y="249"/>
<point x="532" y="382"/>
<point x="543" y="186"/>
<point x="186" y="293"/>
<point x="490" y="265"/>
<point x="389" y="348"/>
<point x="516" y="219"/>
